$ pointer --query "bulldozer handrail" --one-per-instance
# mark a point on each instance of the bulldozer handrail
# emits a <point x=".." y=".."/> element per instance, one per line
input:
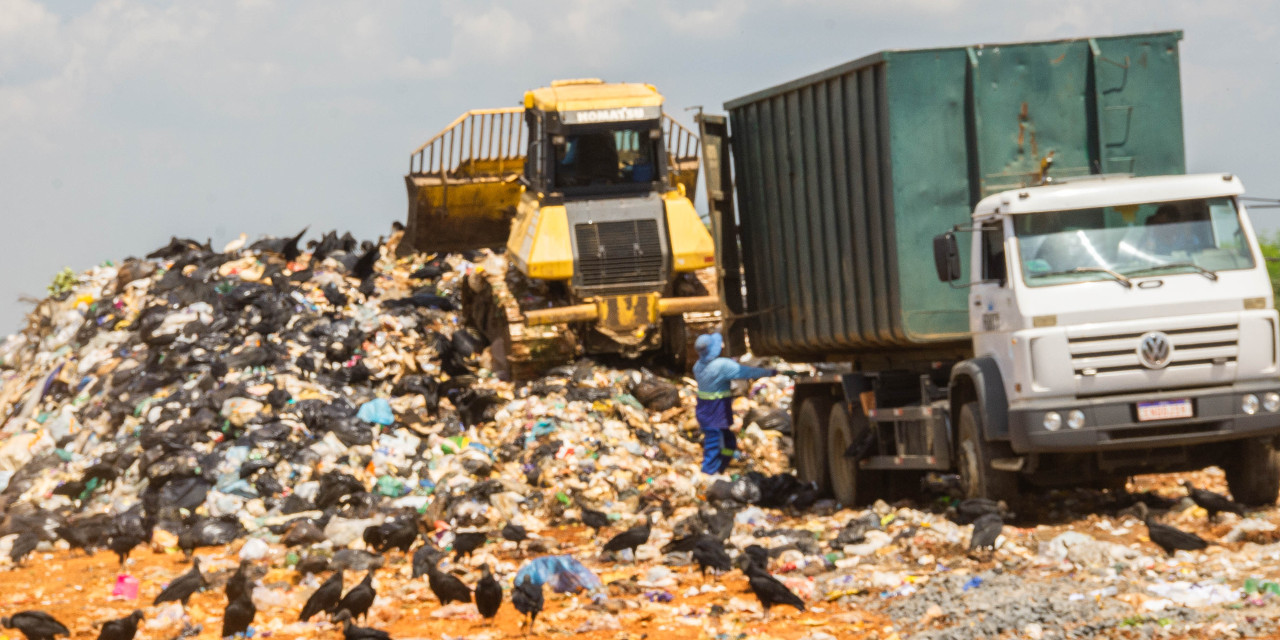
<point x="499" y="137"/>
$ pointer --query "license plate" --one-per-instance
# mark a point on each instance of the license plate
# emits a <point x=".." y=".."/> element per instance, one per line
<point x="1164" y="410"/>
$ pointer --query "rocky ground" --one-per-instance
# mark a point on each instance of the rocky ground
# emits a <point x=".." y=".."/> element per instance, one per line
<point x="272" y="401"/>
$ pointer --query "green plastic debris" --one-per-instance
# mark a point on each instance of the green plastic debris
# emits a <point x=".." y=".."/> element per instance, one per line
<point x="564" y="500"/>
<point x="291" y="559"/>
<point x="64" y="455"/>
<point x="390" y="487"/>
<point x="1254" y="585"/>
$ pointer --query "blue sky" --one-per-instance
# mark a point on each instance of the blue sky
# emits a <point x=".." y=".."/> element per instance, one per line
<point x="126" y="121"/>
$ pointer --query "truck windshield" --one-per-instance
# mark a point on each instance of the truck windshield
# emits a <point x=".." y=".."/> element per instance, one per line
<point x="1189" y="236"/>
<point x="603" y="158"/>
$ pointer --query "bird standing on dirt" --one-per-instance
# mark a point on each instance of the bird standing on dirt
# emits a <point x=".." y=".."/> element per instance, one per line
<point x="1212" y="502"/>
<point x="515" y="533"/>
<point x="710" y="553"/>
<point x="1169" y="538"/>
<point x="325" y="598"/>
<point x="238" y="615"/>
<point x="631" y="538"/>
<point x="121" y="628"/>
<point x="23" y="545"/>
<point x="769" y="591"/>
<point x="447" y="587"/>
<point x="360" y="597"/>
<point x="238" y="583"/>
<point x="352" y="632"/>
<point x="183" y="586"/>
<point x="123" y="542"/>
<point x="424" y="558"/>
<point x="527" y="599"/>
<point x="597" y="520"/>
<point x="466" y="542"/>
<point x="488" y="594"/>
<point x="986" y="529"/>
<point x="35" y="625"/>
<point x="756" y="555"/>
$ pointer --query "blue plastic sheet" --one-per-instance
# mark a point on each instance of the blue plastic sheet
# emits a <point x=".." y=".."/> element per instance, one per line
<point x="377" y="411"/>
<point x="563" y="574"/>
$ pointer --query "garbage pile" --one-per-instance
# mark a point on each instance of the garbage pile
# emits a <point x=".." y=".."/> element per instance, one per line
<point x="220" y="393"/>
<point x="323" y="407"/>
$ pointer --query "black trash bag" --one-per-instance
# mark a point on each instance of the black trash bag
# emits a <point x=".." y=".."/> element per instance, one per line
<point x="352" y="431"/>
<point x="468" y="342"/>
<point x="334" y="486"/>
<point x="476" y="406"/>
<point x="213" y="532"/>
<point x="656" y="394"/>
<point x="267" y="486"/>
<point x="355" y="560"/>
<point x="184" y="493"/>
<point x="587" y="394"/>
<point x="293" y="503"/>
<point x="745" y="490"/>
<point x="720" y="491"/>
<point x="771" y="419"/>
<point x="426" y="386"/>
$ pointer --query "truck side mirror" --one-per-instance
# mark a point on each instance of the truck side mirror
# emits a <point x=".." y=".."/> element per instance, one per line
<point x="946" y="256"/>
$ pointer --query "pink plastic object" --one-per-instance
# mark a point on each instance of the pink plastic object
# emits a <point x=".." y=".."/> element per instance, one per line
<point x="126" y="587"/>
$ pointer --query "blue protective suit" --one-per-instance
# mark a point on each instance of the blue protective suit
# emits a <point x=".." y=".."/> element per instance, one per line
<point x="715" y="400"/>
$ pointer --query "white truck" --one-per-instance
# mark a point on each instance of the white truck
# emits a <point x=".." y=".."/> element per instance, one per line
<point x="1091" y="312"/>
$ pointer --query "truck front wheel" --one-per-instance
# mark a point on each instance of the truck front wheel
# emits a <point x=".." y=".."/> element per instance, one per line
<point x="849" y="485"/>
<point x="1253" y="472"/>
<point x="974" y="455"/>
<point x="810" y="435"/>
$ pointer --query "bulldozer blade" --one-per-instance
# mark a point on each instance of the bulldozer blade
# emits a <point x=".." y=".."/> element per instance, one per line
<point x="457" y="216"/>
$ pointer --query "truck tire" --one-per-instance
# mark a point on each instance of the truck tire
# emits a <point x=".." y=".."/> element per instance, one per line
<point x="810" y="435"/>
<point x="974" y="455"/>
<point x="1253" y="472"/>
<point x="849" y="485"/>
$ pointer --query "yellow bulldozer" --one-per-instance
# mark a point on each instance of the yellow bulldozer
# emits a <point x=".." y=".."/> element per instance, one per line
<point x="586" y="194"/>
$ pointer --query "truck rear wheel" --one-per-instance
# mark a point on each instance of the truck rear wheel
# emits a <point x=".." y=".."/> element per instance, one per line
<point x="1253" y="472"/>
<point x="810" y="437"/>
<point x="849" y="485"/>
<point x="974" y="455"/>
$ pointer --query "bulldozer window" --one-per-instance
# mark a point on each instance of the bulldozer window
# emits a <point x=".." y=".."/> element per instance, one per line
<point x="623" y="156"/>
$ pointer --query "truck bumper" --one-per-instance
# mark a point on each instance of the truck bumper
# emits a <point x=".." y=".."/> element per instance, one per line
<point x="1111" y="423"/>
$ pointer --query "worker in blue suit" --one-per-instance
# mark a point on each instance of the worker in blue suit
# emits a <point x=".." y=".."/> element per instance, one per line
<point x="715" y="400"/>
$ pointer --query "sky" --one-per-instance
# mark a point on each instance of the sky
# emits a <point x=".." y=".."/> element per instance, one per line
<point x="123" y="122"/>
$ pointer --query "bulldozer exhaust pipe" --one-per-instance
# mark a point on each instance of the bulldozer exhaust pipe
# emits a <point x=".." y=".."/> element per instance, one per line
<point x="591" y="312"/>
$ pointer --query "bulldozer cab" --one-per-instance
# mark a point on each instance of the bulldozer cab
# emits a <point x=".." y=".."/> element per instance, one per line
<point x="572" y="140"/>
<point x="597" y="160"/>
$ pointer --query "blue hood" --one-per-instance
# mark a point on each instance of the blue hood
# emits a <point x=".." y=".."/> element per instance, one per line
<point x="709" y="346"/>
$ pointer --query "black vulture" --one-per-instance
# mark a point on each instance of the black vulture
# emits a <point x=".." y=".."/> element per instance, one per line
<point x="488" y="594"/>
<point x="183" y="586"/>
<point x="527" y="598"/>
<point x="35" y="625"/>
<point x="359" y="598"/>
<point x="1212" y="502"/>
<point x="325" y="598"/>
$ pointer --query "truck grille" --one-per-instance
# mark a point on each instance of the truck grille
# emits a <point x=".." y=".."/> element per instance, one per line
<point x="619" y="253"/>
<point x="1118" y="353"/>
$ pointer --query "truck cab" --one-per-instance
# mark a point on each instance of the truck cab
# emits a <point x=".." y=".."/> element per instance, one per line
<point x="1129" y="319"/>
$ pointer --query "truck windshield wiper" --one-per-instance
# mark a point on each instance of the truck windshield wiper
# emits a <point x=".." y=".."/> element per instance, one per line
<point x="1116" y="276"/>
<point x="1212" y="275"/>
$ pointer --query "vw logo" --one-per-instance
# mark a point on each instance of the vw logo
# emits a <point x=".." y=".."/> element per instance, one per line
<point x="1154" y="350"/>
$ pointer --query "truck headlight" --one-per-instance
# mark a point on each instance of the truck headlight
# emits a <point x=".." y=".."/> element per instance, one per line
<point x="1249" y="404"/>
<point x="1075" y="419"/>
<point x="1053" y="421"/>
<point x="1271" y="401"/>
